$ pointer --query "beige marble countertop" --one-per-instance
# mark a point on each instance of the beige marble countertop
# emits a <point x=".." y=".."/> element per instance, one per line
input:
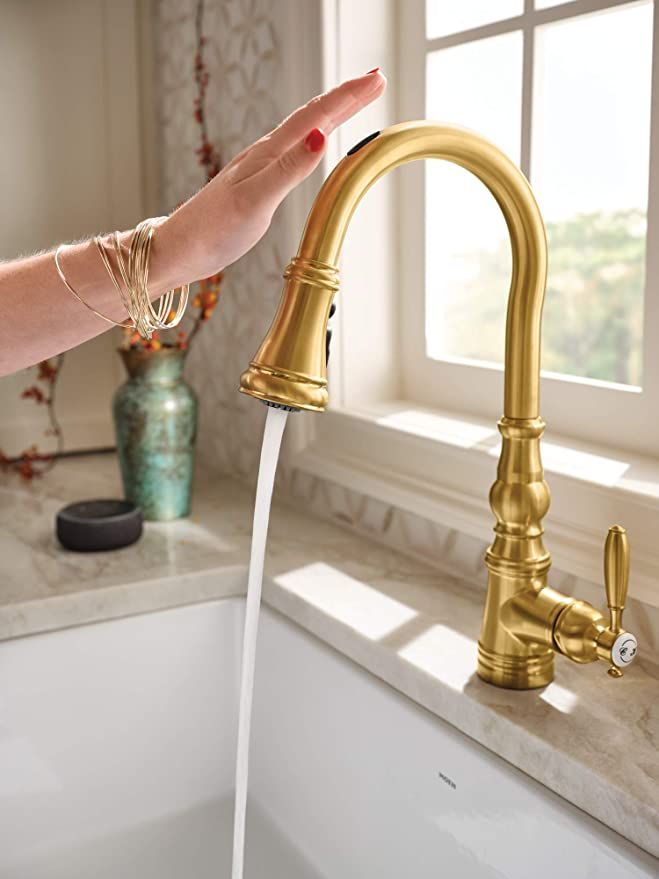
<point x="587" y="737"/>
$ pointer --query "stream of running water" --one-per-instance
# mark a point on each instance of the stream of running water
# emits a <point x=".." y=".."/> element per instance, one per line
<point x="272" y="436"/>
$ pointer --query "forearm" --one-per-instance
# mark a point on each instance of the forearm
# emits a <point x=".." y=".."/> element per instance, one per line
<point x="40" y="317"/>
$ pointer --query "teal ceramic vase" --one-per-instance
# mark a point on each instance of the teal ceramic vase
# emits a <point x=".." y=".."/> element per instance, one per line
<point x="155" y="418"/>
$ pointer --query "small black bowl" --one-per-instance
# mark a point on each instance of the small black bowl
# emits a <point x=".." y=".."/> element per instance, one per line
<point x="93" y="526"/>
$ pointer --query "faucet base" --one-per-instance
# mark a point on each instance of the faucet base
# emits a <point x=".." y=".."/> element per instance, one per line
<point x="516" y="672"/>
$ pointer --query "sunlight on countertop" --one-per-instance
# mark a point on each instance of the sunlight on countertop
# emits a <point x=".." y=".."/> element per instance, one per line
<point x="346" y="599"/>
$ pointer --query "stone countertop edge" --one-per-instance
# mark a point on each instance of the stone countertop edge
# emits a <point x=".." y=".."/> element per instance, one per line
<point x="47" y="615"/>
<point x="589" y="739"/>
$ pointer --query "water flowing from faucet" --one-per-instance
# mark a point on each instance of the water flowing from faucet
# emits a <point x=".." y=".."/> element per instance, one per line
<point x="272" y="437"/>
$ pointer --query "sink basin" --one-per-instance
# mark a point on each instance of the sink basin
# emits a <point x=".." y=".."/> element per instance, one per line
<point x="116" y="760"/>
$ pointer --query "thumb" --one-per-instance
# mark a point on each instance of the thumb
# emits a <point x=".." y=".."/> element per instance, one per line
<point x="291" y="167"/>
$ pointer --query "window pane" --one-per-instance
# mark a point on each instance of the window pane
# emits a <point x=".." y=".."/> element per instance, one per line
<point x="450" y="16"/>
<point x="590" y="173"/>
<point x="478" y="85"/>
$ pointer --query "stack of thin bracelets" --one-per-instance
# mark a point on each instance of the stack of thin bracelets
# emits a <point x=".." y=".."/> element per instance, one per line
<point x="132" y="285"/>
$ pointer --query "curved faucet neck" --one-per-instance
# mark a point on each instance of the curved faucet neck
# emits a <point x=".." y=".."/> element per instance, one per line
<point x="343" y="190"/>
<point x="290" y="368"/>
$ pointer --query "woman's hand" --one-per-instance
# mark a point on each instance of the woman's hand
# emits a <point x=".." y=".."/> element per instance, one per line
<point x="231" y="213"/>
<point x="38" y="315"/>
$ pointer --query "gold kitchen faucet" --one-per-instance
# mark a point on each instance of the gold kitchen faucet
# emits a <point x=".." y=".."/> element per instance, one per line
<point x="525" y="621"/>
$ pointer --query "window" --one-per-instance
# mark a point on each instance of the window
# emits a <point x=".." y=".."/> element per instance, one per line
<point x="565" y="90"/>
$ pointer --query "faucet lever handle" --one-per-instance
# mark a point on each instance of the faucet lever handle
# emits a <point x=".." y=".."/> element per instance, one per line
<point x="616" y="573"/>
<point x="621" y="646"/>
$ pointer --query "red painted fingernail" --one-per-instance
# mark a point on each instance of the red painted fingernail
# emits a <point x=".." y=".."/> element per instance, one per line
<point x="315" y="140"/>
<point x="375" y="70"/>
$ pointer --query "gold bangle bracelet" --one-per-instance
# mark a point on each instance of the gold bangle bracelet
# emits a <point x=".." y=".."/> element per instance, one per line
<point x="68" y="286"/>
<point x="137" y="274"/>
<point x="100" y="246"/>
<point x="133" y="280"/>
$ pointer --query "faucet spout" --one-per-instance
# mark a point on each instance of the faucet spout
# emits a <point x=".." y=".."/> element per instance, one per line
<point x="524" y="622"/>
<point x="289" y="367"/>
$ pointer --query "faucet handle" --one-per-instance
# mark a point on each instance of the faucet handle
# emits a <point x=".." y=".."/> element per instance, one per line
<point x="616" y="572"/>
<point x="615" y="645"/>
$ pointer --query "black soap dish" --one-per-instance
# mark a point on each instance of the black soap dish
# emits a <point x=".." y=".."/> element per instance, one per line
<point x="94" y="526"/>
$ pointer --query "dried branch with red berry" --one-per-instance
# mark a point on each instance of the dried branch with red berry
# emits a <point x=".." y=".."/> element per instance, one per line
<point x="31" y="462"/>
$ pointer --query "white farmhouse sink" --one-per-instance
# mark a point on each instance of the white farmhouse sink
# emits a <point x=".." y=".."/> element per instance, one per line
<point x="116" y="760"/>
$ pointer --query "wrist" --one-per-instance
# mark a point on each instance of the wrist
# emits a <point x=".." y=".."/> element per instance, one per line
<point x="172" y="262"/>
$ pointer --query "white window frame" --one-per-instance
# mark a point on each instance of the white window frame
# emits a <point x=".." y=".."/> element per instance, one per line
<point x="582" y="408"/>
<point x="440" y="463"/>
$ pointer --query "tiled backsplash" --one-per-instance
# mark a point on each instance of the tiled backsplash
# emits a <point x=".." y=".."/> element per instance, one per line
<point x="244" y="60"/>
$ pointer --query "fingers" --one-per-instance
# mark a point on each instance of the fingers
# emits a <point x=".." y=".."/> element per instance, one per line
<point x="273" y="183"/>
<point x="229" y="215"/>
<point x="329" y="110"/>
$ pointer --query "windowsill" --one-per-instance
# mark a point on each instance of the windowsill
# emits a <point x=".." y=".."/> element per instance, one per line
<point x="594" y="464"/>
<point x="441" y="465"/>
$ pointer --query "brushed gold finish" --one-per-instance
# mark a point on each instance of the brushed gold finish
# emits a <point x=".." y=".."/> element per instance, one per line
<point x="525" y="622"/>
<point x="616" y="573"/>
<point x="616" y="581"/>
<point x="290" y="366"/>
<point x="577" y="631"/>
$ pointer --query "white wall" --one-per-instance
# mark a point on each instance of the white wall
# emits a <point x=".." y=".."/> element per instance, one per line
<point x="70" y="166"/>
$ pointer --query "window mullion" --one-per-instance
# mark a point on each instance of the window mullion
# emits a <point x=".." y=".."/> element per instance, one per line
<point x="650" y="379"/>
<point x="527" y="89"/>
<point x="561" y="12"/>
